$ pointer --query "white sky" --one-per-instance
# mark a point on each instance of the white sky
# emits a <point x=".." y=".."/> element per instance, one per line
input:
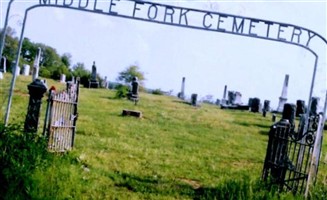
<point x="208" y="60"/>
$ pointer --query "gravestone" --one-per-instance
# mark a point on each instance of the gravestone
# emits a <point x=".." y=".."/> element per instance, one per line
<point x="224" y="100"/>
<point x="194" y="98"/>
<point x="94" y="83"/>
<point x="255" y="105"/>
<point x="181" y="94"/>
<point x="134" y="91"/>
<point x="314" y="106"/>
<point x="36" y="65"/>
<point x="3" y="65"/>
<point x="26" y="70"/>
<point x="1" y="75"/>
<point x="105" y="83"/>
<point x="289" y="113"/>
<point x="234" y="98"/>
<point x="283" y="97"/>
<point x="300" y="108"/>
<point x="218" y="102"/>
<point x="62" y="78"/>
<point x="266" y="107"/>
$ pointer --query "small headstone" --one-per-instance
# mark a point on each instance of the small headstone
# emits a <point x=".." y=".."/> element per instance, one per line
<point x="255" y="105"/>
<point x="194" y="98"/>
<point x="266" y="107"/>
<point x="26" y="70"/>
<point x="133" y="113"/>
<point x="62" y="78"/>
<point x="3" y="65"/>
<point x="289" y="112"/>
<point x="1" y="75"/>
<point x="218" y="102"/>
<point x="314" y="106"/>
<point x="273" y="119"/>
<point x="300" y="108"/>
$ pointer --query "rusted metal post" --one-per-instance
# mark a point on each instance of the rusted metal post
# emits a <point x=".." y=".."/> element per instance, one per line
<point x="36" y="90"/>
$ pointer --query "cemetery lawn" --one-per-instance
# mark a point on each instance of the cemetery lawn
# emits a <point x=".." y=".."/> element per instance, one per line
<point x="175" y="151"/>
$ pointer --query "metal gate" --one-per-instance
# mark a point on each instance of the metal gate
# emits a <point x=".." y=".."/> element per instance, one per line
<point x="292" y="156"/>
<point x="61" y="117"/>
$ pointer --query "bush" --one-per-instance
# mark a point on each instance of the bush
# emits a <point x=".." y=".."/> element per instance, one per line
<point x="157" y="92"/>
<point x="122" y="91"/>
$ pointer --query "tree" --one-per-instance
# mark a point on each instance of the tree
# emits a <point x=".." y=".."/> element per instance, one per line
<point x="127" y="75"/>
<point x="66" y="59"/>
<point x="79" y="70"/>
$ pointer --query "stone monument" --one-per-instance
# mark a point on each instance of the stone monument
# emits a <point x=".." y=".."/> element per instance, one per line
<point x="94" y="83"/>
<point x="283" y="97"/>
<point x="194" y="98"/>
<point x="181" y="95"/>
<point x="223" y="100"/>
<point x="36" y="65"/>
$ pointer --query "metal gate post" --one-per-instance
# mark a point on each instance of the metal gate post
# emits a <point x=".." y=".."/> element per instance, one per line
<point x="36" y="90"/>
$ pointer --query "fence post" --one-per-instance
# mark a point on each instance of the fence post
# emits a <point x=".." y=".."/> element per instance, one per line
<point x="36" y="90"/>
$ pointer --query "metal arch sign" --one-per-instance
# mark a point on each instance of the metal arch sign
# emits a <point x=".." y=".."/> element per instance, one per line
<point x="193" y="18"/>
<point x="187" y="18"/>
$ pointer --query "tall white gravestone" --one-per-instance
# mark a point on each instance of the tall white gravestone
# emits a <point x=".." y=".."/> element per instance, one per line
<point x="36" y="65"/>
<point x="283" y="97"/>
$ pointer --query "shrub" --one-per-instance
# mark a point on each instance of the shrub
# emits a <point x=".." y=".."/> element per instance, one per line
<point x="122" y="91"/>
<point x="157" y="92"/>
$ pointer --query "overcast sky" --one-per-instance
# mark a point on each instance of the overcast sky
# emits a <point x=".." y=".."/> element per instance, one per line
<point x="208" y="60"/>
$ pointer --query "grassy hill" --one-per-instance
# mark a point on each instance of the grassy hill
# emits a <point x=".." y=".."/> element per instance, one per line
<point x="175" y="151"/>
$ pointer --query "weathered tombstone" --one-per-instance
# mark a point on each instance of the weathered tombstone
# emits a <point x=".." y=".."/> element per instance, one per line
<point x="314" y="106"/>
<point x="93" y="83"/>
<point x="134" y="92"/>
<point x="62" y="78"/>
<point x="218" y="102"/>
<point x="194" y="98"/>
<point x="3" y="65"/>
<point x="1" y="75"/>
<point x="26" y="70"/>
<point x="266" y="107"/>
<point x="255" y="105"/>
<point x="289" y="113"/>
<point x="300" y="108"/>
<point x="273" y="118"/>
<point x="36" y="90"/>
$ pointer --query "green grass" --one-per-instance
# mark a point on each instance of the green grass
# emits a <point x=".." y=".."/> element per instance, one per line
<point x="175" y="151"/>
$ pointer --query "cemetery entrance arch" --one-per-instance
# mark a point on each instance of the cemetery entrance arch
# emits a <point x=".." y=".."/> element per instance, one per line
<point x="181" y="17"/>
